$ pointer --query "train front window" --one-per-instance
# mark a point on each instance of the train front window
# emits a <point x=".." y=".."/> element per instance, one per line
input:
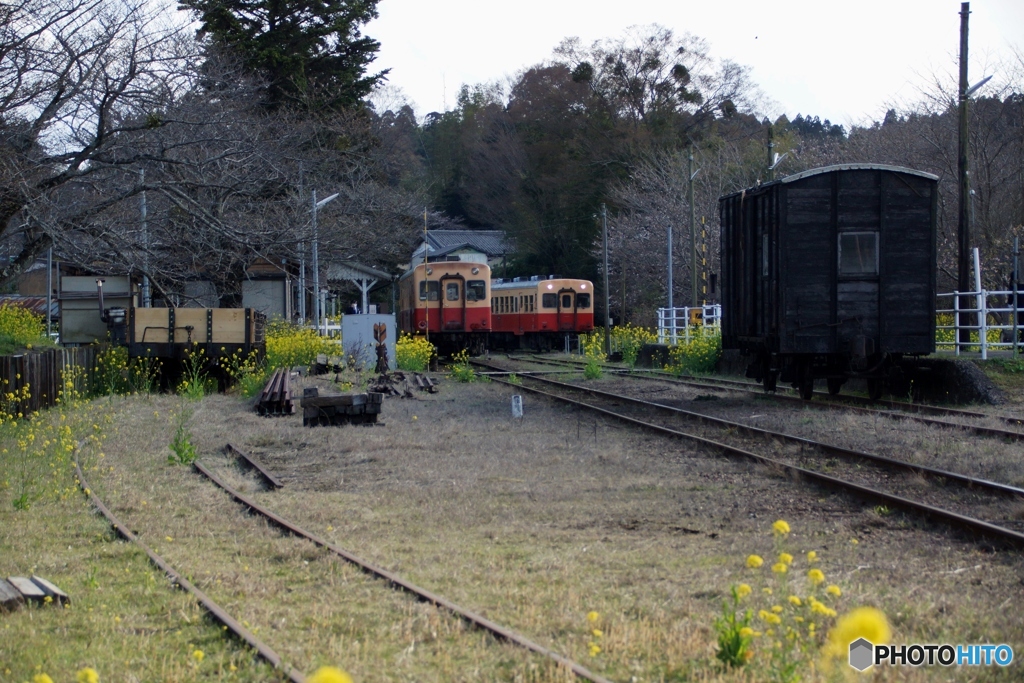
<point x="567" y="302"/>
<point x="549" y="301"/>
<point x="451" y="291"/>
<point x="582" y="301"/>
<point x="429" y="290"/>
<point x="476" y="290"/>
<point x="858" y="253"/>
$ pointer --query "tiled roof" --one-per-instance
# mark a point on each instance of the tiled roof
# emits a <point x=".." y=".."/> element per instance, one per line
<point x="490" y="242"/>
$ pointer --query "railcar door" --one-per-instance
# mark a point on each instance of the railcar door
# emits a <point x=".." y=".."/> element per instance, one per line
<point x="566" y="310"/>
<point x="453" y="303"/>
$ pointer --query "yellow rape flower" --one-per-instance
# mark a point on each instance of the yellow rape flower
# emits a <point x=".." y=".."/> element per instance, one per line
<point x="863" y="622"/>
<point x="812" y="556"/>
<point x="786" y="558"/>
<point x="41" y="678"/>
<point x="746" y="632"/>
<point x="594" y="648"/>
<point x="780" y="527"/>
<point x="592" y="616"/>
<point x="198" y="655"/>
<point x="834" y="590"/>
<point x="779" y="568"/>
<point x="816" y="576"/>
<point x="754" y="561"/>
<point x="597" y="633"/>
<point x="777" y="609"/>
<point x="87" y="675"/>
<point x="795" y="601"/>
<point x="743" y="590"/>
<point x="329" y="674"/>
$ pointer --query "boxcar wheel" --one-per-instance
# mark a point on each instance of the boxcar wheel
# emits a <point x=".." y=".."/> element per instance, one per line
<point x="835" y="384"/>
<point x="806" y="388"/>
<point x="875" y="387"/>
<point x="769" y="380"/>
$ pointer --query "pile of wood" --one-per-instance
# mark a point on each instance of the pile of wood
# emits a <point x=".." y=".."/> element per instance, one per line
<point x="401" y="384"/>
<point x="17" y="590"/>
<point x="276" y="397"/>
<point x="341" y="409"/>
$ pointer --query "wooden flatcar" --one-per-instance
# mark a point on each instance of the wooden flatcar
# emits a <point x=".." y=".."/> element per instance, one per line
<point x="450" y="300"/>
<point x="830" y="274"/>
<point x="538" y="312"/>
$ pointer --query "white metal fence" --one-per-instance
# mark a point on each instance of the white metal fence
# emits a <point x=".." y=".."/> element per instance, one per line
<point x="993" y="323"/>
<point x="674" y="323"/>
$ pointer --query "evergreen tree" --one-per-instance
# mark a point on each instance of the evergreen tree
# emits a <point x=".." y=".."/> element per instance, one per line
<point x="311" y="52"/>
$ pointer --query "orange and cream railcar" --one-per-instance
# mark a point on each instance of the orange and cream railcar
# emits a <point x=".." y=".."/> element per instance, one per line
<point x="450" y="300"/>
<point x="538" y="312"/>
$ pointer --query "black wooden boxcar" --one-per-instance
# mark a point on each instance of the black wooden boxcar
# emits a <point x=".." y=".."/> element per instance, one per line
<point x="830" y="273"/>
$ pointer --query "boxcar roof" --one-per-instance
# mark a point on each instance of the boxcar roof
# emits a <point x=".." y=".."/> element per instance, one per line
<point x="835" y="167"/>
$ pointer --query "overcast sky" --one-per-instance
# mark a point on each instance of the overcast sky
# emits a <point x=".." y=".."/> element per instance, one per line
<point x="847" y="62"/>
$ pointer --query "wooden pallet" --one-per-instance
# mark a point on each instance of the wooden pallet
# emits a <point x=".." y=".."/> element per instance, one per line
<point x="340" y="410"/>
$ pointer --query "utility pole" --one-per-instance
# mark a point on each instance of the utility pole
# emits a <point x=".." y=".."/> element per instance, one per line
<point x="426" y="282"/>
<point x="693" y="231"/>
<point x="316" y="271"/>
<point x="771" y="152"/>
<point x="670" y="283"/>
<point x="607" y="298"/>
<point x="963" y="223"/>
<point x="302" y="261"/>
<point x="145" y="243"/>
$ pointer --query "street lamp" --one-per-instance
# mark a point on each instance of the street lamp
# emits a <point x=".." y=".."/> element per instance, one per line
<point x="316" y="259"/>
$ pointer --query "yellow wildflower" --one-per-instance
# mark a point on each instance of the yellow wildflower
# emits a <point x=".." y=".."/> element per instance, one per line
<point x="834" y="590"/>
<point x="779" y="568"/>
<point x="766" y="590"/>
<point x="41" y="678"/>
<point x="329" y="674"/>
<point x="597" y="633"/>
<point x="795" y="601"/>
<point x="777" y="608"/>
<point x="786" y="558"/>
<point x="595" y="649"/>
<point x="780" y="527"/>
<point x="816" y="576"/>
<point x="754" y="561"/>
<point x="87" y="675"/>
<point x="743" y="590"/>
<point x="198" y="655"/>
<point x="746" y="632"/>
<point x="592" y="617"/>
<point x="812" y="556"/>
<point x="863" y="622"/>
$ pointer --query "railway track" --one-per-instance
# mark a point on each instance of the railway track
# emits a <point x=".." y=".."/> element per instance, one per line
<point x="236" y="627"/>
<point x="895" y="410"/>
<point x="476" y="620"/>
<point x="951" y="498"/>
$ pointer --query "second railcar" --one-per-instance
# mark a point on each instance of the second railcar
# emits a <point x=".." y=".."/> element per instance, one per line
<point x="538" y="312"/>
<point x="449" y="301"/>
<point x="830" y="274"/>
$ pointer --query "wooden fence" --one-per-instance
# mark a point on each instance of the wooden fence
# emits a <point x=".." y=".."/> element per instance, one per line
<point x="43" y="373"/>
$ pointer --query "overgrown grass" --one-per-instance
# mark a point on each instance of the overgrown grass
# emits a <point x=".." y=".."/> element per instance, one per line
<point x="414" y="353"/>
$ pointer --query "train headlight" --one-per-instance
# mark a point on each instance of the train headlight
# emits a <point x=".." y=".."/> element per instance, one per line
<point x="583" y="286"/>
<point x="475" y="271"/>
<point x="430" y="271"/>
<point x="551" y="286"/>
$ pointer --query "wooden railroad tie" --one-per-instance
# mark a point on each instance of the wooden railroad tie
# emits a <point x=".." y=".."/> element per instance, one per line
<point x="341" y="409"/>
<point x="17" y="590"/>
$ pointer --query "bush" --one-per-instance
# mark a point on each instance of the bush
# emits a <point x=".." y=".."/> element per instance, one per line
<point x="699" y="355"/>
<point x="413" y="353"/>
<point x="460" y="369"/>
<point x="290" y="345"/>
<point x="20" y="328"/>
<point x="626" y="339"/>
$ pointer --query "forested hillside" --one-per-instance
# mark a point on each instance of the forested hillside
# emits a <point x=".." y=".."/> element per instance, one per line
<point x="222" y="120"/>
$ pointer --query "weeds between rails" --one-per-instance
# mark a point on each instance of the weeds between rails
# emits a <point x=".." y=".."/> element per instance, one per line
<point x="988" y="529"/>
<point x="854" y="404"/>
<point x="400" y="583"/>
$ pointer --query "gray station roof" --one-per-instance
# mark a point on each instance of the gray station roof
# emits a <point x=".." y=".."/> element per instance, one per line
<point x="490" y="242"/>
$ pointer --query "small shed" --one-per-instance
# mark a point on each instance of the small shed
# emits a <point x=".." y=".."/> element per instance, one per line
<point x="366" y="278"/>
